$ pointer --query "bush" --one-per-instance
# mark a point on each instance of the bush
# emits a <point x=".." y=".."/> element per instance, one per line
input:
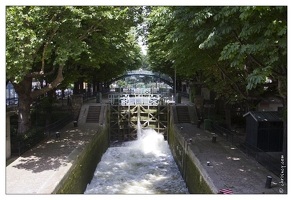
<point x="27" y="140"/>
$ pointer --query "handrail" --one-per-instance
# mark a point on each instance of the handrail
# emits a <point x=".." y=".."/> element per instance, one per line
<point x="259" y="155"/>
<point x="135" y="99"/>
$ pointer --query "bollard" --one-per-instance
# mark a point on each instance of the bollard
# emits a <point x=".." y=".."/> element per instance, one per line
<point x="268" y="182"/>
<point x="57" y="135"/>
<point x="208" y="163"/>
<point x="75" y="123"/>
<point x="214" y="138"/>
<point x="198" y="123"/>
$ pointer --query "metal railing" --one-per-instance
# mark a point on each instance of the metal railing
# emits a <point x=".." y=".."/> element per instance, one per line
<point x="12" y="101"/>
<point x="22" y="146"/>
<point x="58" y="124"/>
<point x="136" y="99"/>
<point x="268" y="161"/>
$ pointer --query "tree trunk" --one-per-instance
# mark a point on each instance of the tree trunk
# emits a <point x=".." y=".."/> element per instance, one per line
<point x="26" y="97"/>
<point x="23" y="114"/>
<point x="23" y="90"/>
<point x="76" y="88"/>
<point x="49" y="108"/>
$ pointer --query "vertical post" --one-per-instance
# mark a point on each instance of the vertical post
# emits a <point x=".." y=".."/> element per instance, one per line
<point x="268" y="182"/>
<point x="175" y="86"/>
<point x="214" y="138"/>
<point x="57" y="135"/>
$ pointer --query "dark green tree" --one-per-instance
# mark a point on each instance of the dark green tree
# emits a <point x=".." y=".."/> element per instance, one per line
<point x="53" y="40"/>
<point x="240" y="52"/>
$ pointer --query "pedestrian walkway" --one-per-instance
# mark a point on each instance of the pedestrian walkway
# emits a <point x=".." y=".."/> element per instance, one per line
<point x="39" y="170"/>
<point x="227" y="166"/>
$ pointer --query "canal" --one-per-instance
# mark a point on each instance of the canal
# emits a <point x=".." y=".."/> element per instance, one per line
<point x="142" y="166"/>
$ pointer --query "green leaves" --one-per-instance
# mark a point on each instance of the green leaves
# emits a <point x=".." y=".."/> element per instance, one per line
<point x="41" y="37"/>
<point x="258" y="76"/>
<point x="232" y="49"/>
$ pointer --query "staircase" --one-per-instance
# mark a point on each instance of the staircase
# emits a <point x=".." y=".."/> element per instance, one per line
<point x="183" y="114"/>
<point x="93" y="115"/>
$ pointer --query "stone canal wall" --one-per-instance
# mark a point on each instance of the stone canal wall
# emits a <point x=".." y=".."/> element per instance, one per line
<point x="81" y="173"/>
<point x="85" y="161"/>
<point x="195" y="177"/>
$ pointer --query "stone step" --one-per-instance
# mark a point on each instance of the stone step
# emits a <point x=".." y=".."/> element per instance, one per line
<point x="183" y="114"/>
<point x="93" y="115"/>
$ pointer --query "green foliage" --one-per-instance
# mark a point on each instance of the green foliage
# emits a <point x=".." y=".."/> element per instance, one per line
<point x="28" y="139"/>
<point x="240" y="52"/>
<point x="60" y="44"/>
<point x="258" y="76"/>
<point x="77" y="35"/>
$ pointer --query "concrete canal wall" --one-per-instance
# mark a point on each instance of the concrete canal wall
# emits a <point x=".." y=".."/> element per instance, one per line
<point x="196" y="178"/>
<point x="85" y="160"/>
<point x="82" y="170"/>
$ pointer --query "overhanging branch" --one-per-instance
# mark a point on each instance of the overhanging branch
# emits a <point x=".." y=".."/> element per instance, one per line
<point x="41" y="73"/>
<point x="249" y="55"/>
<point x="59" y="78"/>
<point x="226" y="76"/>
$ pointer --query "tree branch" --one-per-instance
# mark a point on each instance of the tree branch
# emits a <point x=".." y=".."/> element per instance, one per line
<point x="89" y="31"/>
<point x="44" y="50"/>
<point x="59" y="78"/>
<point x="226" y="76"/>
<point x="36" y="53"/>
<point x="250" y="55"/>
<point x="38" y="74"/>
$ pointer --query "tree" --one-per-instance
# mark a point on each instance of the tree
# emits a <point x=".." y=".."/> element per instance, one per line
<point x="240" y="52"/>
<point x="225" y="48"/>
<point x="53" y="39"/>
<point x="158" y="49"/>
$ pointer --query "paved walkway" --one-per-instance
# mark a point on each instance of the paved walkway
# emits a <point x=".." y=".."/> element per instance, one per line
<point x="39" y="170"/>
<point x="229" y="167"/>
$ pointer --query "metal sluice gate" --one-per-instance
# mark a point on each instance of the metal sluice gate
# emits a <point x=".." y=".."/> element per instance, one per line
<point x="126" y="110"/>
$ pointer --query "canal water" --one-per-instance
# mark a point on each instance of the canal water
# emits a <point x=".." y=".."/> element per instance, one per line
<point x="143" y="166"/>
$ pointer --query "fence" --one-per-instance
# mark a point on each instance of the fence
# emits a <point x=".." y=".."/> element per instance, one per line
<point x="37" y="135"/>
<point x="11" y="101"/>
<point x="270" y="162"/>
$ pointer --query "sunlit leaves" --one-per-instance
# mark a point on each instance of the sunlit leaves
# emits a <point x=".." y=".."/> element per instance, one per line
<point x="258" y="76"/>
<point x="58" y="34"/>
<point x="244" y="44"/>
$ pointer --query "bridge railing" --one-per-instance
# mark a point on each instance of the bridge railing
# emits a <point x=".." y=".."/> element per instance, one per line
<point x="137" y="99"/>
<point x="134" y="72"/>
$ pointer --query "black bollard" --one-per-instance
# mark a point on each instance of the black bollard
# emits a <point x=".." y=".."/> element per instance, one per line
<point x="198" y="123"/>
<point x="214" y="138"/>
<point x="75" y="123"/>
<point x="58" y="135"/>
<point x="268" y="182"/>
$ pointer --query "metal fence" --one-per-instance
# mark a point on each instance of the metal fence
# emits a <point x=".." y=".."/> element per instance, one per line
<point x="270" y="162"/>
<point x="135" y="99"/>
<point x="11" y="101"/>
<point x="20" y="146"/>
